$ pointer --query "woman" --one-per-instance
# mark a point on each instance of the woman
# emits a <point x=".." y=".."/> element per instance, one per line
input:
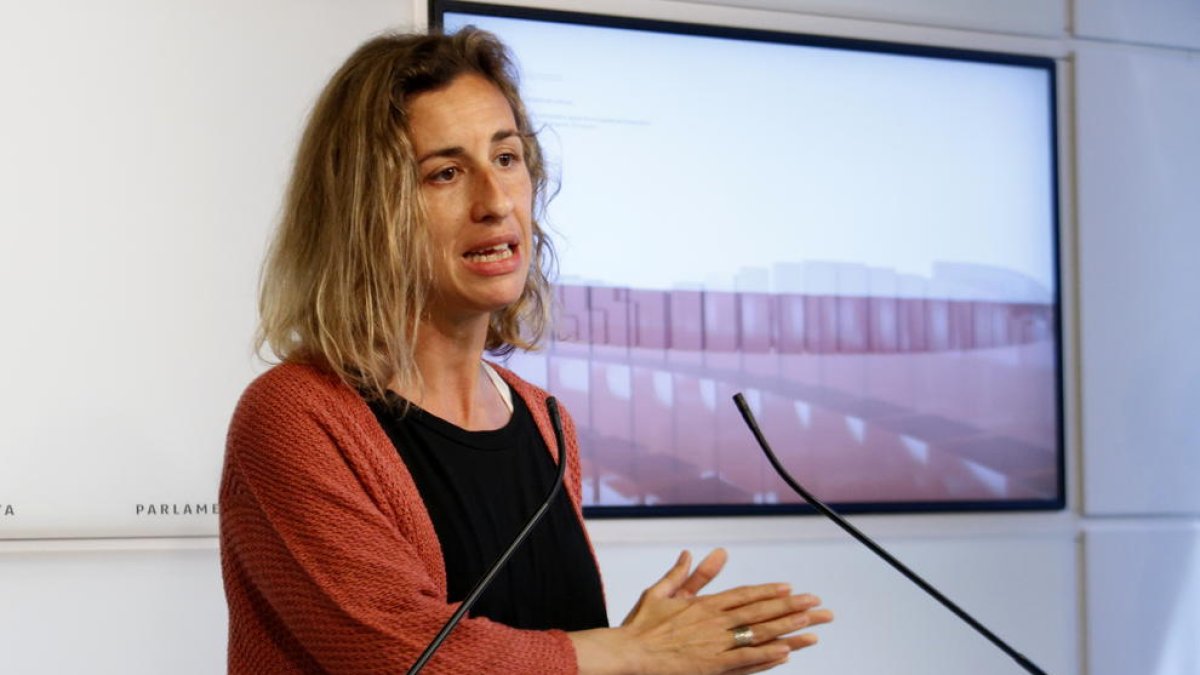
<point x="373" y="475"/>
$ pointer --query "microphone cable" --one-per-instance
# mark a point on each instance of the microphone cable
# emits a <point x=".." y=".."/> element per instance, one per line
<point x="863" y="539"/>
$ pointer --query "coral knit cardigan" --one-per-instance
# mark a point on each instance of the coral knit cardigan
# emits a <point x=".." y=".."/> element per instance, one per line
<point x="330" y="561"/>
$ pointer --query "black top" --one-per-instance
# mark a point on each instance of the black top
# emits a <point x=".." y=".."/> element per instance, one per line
<point x="480" y="488"/>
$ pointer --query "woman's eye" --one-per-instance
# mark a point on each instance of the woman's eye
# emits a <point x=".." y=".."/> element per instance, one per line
<point x="507" y="159"/>
<point x="445" y="175"/>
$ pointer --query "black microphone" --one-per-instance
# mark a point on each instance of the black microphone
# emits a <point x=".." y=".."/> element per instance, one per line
<point x="486" y="579"/>
<point x="876" y="548"/>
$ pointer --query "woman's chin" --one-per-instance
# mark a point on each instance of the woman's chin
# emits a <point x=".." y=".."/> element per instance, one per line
<point x="467" y="309"/>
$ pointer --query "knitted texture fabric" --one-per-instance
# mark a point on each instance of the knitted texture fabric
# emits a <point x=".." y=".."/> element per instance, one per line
<point x="330" y="562"/>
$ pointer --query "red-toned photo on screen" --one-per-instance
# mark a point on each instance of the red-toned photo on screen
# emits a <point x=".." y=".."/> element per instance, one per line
<point x="861" y="238"/>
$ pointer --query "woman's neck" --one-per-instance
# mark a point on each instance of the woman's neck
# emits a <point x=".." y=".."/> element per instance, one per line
<point x="453" y="385"/>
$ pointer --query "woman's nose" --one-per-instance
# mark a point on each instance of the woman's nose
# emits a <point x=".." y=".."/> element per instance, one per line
<point x="491" y="198"/>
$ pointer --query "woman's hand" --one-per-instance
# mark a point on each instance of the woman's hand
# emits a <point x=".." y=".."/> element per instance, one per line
<point x="673" y="629"/>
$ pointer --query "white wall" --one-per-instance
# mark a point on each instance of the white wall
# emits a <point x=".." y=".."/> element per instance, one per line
<point x="144" y="146"/>
<point x="1109" y="587"/>
<point x="1138" y="149"/>
<point x="1017" y="575"/>
<point x="114" y="607"/>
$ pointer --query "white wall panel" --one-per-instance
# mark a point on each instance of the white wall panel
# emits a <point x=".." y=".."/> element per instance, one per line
<point x="106" y="611"/>
<point x="1143" y="590"/>
<point x="1160" y="22"/>
<point x="1026" y="17"/>
<point x="159" y="607"/>
<point x="1034" y="28"/>
<point x="1139" y="233"/>
<point x="145" y="149"/>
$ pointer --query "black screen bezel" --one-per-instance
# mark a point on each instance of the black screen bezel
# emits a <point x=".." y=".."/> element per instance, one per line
<point x="437" y="10"/>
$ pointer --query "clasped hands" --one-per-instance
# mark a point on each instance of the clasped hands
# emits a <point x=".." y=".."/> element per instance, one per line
<point x="675" y="629"/>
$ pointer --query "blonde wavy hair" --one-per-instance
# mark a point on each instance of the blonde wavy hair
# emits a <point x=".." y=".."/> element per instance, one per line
<point x="348" y="273"/>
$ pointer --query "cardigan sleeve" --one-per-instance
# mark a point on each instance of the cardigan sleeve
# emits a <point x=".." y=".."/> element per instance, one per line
<point x="322" y="570"/>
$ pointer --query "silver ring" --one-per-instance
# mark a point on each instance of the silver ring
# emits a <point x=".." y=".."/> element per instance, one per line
<point x="743" y="636"/>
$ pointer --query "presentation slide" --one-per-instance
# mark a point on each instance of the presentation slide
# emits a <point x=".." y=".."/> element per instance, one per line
<point x="862" y="242"/>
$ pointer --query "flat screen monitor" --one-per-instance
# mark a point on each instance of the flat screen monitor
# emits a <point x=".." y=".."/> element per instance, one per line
<point x="859" y="236"/>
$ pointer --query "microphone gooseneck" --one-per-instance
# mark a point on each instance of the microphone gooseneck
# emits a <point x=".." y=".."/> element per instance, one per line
<point x="841" y="522"/>
<point x="486" y="579"/>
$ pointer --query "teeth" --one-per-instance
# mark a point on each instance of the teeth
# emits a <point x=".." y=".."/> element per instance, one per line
<point x="491" y="254"/>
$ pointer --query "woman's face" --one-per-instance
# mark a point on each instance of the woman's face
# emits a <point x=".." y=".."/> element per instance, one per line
<point x="478" y="193"/>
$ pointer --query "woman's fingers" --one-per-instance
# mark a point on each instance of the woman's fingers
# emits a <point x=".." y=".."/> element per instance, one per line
<point x="758" y="668"/>
<point x="817" y="617"/>
<point x="704" y="573"/>
<point x="753" y="659"/>
<point x="801" y="641"/>
<point x="774" y="608"/>
<point x="745" y="595"/>
<point x="772" y="645"/>
<point x="769" y="630"/>
<point x="793" y="643"/>
<point x="752" y="662"/>
<point x="669" y="584"/>
<point x="662" y="589"/>
<point x="780" y="628"/>
<point x="674" y="578"/>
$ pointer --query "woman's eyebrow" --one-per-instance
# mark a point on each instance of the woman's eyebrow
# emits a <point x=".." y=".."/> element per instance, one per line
<point x="458" y="150"/>
<point x="503" y="134"/>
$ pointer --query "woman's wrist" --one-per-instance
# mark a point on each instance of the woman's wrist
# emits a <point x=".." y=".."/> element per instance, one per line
<point x="603" y="651"/>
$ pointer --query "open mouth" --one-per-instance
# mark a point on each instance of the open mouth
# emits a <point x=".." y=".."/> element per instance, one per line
<point x="491" y="253"/>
